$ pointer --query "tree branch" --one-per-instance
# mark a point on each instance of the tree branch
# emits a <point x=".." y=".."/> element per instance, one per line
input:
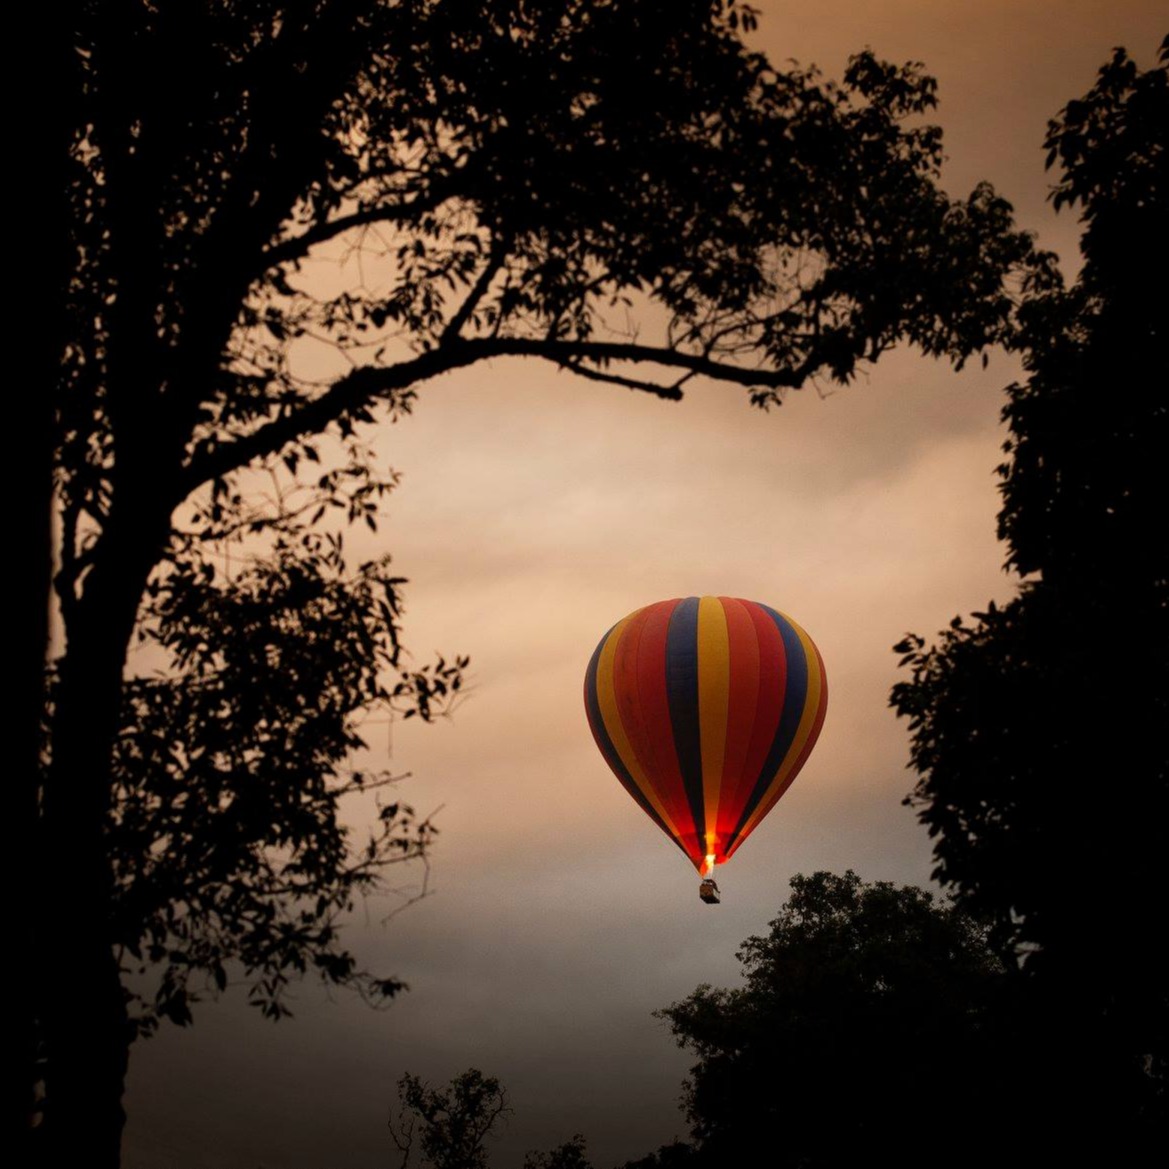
<point x="365" y="386"/>
<point x="495" y="257"/>
<point x="298" y="246"/>
<point x="351" y="392"/>
<point x="668" y="393"/>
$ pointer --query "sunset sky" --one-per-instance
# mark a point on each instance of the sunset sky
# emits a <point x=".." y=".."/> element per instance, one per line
<point x="534" y="511"/>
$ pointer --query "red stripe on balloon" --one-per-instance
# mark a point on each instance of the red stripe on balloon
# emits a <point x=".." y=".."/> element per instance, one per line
<point x="636" y="720"/>
<point x="802" y="758"/>
<point x="769" y="704"/>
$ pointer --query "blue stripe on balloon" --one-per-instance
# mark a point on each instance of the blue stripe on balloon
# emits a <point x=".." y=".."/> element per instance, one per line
<point x="682" y="694"/>
<point x="795" y="696"/>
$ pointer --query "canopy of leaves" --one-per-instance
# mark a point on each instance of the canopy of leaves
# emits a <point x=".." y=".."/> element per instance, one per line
<point x="284" y="218"/>
<point x="864" y="1022"/>
<point x="512" y="179"/>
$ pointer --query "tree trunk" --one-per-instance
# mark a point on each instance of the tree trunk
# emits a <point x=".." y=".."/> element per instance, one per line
<point x="45" y="137"/>
<point x="82" y="1007"/>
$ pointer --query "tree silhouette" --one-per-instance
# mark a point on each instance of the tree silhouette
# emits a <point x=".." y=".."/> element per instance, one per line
<point x="517" y="180"/>
<point x="677" y="1155"/>
<point x="450" y="1125"/>
<point x="1038" y="729"/>
<point x="867" y="1020"/>
<point x="569" y="1155"/>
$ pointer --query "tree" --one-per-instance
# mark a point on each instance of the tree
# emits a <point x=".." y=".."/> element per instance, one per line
<point x="451" y="1125"/>
<point x="517" y="179"/>
<point x="1038" y="729"/>
<point x="866" y="1020"/>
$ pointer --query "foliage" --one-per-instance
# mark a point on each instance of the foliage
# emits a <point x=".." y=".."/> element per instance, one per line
<point x="226" y="836"/>
<point x="504" y="194"/>
<point x="862" y="1003"/>
<point x="282" y="220"/>
<point x="1079" y="488"/>
<point x="1038" y="728"/>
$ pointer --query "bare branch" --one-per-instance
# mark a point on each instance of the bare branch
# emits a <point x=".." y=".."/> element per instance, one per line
<point x="668" y="393"/>
<point x="495" y="259"/>
<point x="297" y="247"/>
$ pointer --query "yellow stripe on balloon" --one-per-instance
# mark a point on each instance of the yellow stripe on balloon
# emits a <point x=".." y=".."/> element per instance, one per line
<point x="714" y="689"/>
<point x="607" y="702"/>
<point x="807" y="720"/>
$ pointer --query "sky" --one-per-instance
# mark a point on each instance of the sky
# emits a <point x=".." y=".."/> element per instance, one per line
<point x="534" y="512"/>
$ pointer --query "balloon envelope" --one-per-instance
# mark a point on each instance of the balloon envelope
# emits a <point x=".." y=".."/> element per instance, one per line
<point x="706" y="709"/>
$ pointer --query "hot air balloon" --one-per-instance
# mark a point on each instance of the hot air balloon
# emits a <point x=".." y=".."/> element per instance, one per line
<point x="706" y="709"/>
